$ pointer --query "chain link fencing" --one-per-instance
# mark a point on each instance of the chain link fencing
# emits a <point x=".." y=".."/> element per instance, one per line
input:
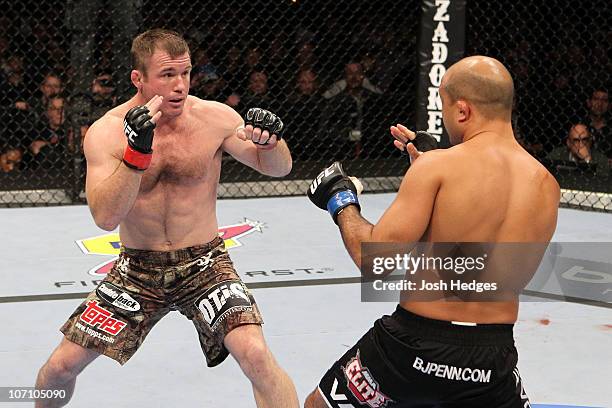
<point x="337" y="73"/>
<point x="559" y="55"/>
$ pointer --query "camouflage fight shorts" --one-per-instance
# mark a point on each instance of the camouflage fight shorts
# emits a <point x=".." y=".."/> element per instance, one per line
<point x="143" y="286"/>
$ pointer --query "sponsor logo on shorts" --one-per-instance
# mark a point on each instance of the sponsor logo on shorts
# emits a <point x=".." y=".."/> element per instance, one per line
<point x="449" y="372"/>
<point x="223" y="299"/>
<point x="363" y="385"/>
<point x="93" y="333"/>
<point x="98" y="317"/>
<point x="116" y="297"/>
<point x="205" y="261"/>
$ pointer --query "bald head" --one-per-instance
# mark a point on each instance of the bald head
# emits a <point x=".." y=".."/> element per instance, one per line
<point x="484" y="82"/>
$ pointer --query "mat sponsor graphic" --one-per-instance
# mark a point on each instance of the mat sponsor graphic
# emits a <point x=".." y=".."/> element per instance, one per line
<point x="363" y="385"/>
<point x="109" y="244"/>
<point x="116" y="297"/>
<point x="221" y="300"/>
<point x="300" y="272"/>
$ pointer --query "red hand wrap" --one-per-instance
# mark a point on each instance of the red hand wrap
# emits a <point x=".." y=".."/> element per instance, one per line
<point x="136" y="160"/>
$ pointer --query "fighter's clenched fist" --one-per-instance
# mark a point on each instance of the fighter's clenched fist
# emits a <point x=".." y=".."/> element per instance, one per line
<point x="262" y="127"/>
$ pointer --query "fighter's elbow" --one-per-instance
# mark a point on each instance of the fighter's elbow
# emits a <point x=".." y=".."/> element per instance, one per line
<point x="107" y="225"/>
<point x="278" y="171"/>
<point x="286" y="169"/>
<point x="105" y="221"/>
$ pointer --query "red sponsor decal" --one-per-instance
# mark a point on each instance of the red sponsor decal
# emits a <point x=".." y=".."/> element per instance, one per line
<point x="96" y="316"/>
<point x="362" y="384"/>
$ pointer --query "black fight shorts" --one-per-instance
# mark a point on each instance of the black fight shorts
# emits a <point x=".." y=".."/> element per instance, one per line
<point x="143" y="286"/>
<point x="406" y="360"/>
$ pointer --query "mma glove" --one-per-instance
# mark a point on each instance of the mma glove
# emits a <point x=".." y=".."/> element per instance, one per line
<point x="265" y="120"/>
<point x="333" y="190"/>
<point x="138" y="129"/>
<point x="423" y="142"/>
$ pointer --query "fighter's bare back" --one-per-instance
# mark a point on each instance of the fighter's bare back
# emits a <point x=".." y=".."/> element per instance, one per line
<point x="491" y="190"/>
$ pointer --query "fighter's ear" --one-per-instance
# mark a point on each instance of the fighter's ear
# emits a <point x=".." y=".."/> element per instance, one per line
<point x="136" y="77"/>
<point x="464" y="111"/>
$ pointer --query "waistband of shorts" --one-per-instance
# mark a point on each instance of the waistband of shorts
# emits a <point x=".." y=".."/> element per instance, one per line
<point x="456" y="332"/>
<point x="174" y="257"/>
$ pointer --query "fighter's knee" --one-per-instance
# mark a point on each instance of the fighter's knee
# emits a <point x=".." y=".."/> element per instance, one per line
<point x="60" y="369"/>
<point x="256" y="360"/>
<point x="67" y="361"/>
<point x="314" y="400"/>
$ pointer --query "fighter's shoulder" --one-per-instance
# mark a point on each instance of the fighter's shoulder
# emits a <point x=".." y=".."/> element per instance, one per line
<point x="107" y="132"/>
<point x="113" y="118"/>
<point x="214" y="108"/>
<point x="549" y="183"/>
<point x="215" y="114"/>
<point x="433" y="159"/>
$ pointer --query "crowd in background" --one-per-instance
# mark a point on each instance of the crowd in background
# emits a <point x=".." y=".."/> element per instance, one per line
<point x="336" y="97"/>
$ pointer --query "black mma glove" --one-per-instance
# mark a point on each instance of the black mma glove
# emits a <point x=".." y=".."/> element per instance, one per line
<point x="333" y="190"/>
<point x="423" y="142"/>
<point x="138" y="129"/>
<point x="265" y="120"/>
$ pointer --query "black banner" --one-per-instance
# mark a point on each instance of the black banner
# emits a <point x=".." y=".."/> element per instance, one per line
<point x="441" y="44"/>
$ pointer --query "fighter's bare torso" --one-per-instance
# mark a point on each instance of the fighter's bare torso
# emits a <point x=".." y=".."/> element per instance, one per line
<point x="491" y="190"/>
<point x="175" y="206"/>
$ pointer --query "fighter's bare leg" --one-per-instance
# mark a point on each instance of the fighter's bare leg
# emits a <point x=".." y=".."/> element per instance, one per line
<point x="61" y="370"/>
<point x="315" y="400"/>
<point x="271" y="385"/>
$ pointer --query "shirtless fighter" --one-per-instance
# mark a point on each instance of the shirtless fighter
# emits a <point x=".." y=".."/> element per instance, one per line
<point x="162" y="193"/>
<point x="486" y="189"/>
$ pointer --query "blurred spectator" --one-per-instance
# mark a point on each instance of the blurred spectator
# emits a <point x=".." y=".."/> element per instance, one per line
<point x="231" y="71"/>
<point x="530" y="106"/>
<point x="58" y="62"/>
<point x="50" y="86"/>
<point x="208" y="85"/>
<point x="252" y="59"/>
<point x="15" y="113"/>
<point x="598" y="120"/>
<point x="579" y="149"/>
<point x="374" y="76"/>
<point x="13" y="90"/>
<point x="258" y="94"/>
<point x="350" y="116"/>
<point x="51" y="144"/>
<point x="340" y="85"/>
<point x="277" y="52"/>
<point x="306" y="57"/>
<point x="303" y="110"/>
<point x="10" y="159"/>
<point x="201" y="62"/>
<point x="279" y="64"/>
<point x="84" y="109"/>
<point x="252" y="63"/>
<point x="104" y="55"/>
